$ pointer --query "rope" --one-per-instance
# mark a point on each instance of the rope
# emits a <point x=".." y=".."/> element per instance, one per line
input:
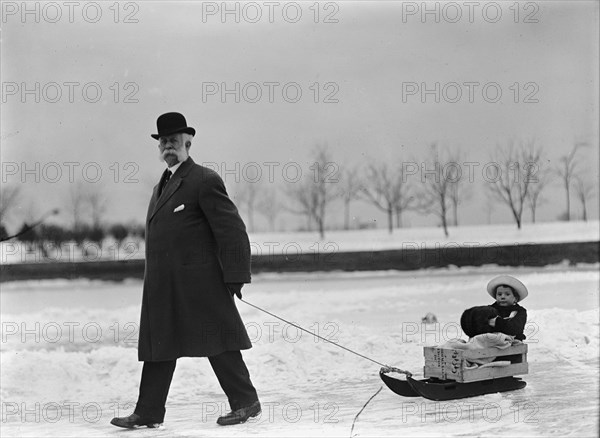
<point x="363" y="408"/>
<point x="317" y="336"/>
<point x="386" y="370"/>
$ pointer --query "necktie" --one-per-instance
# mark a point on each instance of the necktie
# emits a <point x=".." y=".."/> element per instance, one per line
<point x="167" y="176"/>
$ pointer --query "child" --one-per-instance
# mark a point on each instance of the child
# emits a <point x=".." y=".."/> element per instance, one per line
<point x="504" y="316"/>
<point x="511" y="317"/>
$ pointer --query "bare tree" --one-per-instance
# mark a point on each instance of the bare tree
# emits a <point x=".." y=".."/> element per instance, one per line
<point x="301" y="194"/>
<point x="398" y="210"/>
<point x="31" y="211"/>
<point x="439" y="174"/>
<point x="85" y="204"/>
<point x="268" y="205"/>
<point x="489" y="208"/>
<point x="29" y="234"/>
<point x="458" y="190"/>
<point x="534" y="198"/>
<point x="247" y="195"/>
<point x="584" y="190"/>
<point x="9" y="194"/>
<point x="349" y="189"/>
<point x="96" y="201"/>
<point x="75" y="204"/>
<point x="516" y="167"/>
<point x="566" y="171"/>
<point x="315" y="190"/>
<point x="387" y="189"/>
<point x="457" y="193"/>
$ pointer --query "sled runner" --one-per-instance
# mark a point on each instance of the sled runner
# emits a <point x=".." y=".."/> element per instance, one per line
<point x="453" y="373"/>
<point x="440" y="390"/>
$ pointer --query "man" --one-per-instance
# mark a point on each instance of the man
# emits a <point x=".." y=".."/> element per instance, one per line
<point x="197" y="258"/>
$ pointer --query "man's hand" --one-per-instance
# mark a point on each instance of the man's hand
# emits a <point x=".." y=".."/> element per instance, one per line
<point x="235" y="289"/>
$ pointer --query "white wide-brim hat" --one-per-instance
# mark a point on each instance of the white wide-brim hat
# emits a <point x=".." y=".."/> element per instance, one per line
<point x="507" y="280"/>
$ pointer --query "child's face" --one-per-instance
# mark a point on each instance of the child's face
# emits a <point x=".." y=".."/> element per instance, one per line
<point x="505" y="296"/>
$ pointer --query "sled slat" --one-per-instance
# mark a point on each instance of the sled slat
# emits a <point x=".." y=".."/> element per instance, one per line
<point x="451" y="364"/>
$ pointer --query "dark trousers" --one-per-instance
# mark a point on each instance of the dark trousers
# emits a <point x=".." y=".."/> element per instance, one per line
<point x="229" y="367"/>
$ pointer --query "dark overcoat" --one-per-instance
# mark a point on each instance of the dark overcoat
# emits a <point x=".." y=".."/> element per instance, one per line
<point x="195" y="243"/>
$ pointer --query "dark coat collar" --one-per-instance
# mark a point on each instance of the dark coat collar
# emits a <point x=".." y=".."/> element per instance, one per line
<point x="515" y="306"/>
<point x="185" y="167"/>
<point x="181" y="172"/>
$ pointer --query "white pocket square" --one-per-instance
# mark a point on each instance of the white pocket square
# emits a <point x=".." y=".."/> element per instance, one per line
<point x="181" y="207"/>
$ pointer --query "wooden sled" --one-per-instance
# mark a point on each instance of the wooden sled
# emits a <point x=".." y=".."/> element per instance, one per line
<point x="449" y="373"/>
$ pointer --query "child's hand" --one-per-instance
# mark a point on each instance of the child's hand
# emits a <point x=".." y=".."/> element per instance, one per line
<point x="492" y="322"/>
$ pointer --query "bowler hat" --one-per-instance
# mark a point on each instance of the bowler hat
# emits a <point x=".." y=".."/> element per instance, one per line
<point x="172" y="123"/>
<point x="507" y="280"/>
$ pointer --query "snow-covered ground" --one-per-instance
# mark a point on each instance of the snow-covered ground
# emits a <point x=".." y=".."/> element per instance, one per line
<point x="427" y="237"/>
<point x="69" y="360"/>
<point x="293" y="243"/>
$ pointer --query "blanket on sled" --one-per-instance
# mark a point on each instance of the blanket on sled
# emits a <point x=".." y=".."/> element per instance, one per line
<point x="484" y="340"/>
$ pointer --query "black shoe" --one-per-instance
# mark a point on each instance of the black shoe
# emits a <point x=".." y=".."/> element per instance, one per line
<point x="240" y="415"/>
<point x="133" y="421"/>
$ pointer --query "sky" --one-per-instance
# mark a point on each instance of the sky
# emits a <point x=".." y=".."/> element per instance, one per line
<point x="264" y="83"/>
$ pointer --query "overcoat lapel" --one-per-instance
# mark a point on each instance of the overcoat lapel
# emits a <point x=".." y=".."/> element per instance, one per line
<point x="153" y="201"/>
<point x="158" y="201"/>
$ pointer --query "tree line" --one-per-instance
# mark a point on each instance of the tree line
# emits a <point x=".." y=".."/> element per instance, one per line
<point x="436" y="184"/>
<point x="85" y="206"/>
